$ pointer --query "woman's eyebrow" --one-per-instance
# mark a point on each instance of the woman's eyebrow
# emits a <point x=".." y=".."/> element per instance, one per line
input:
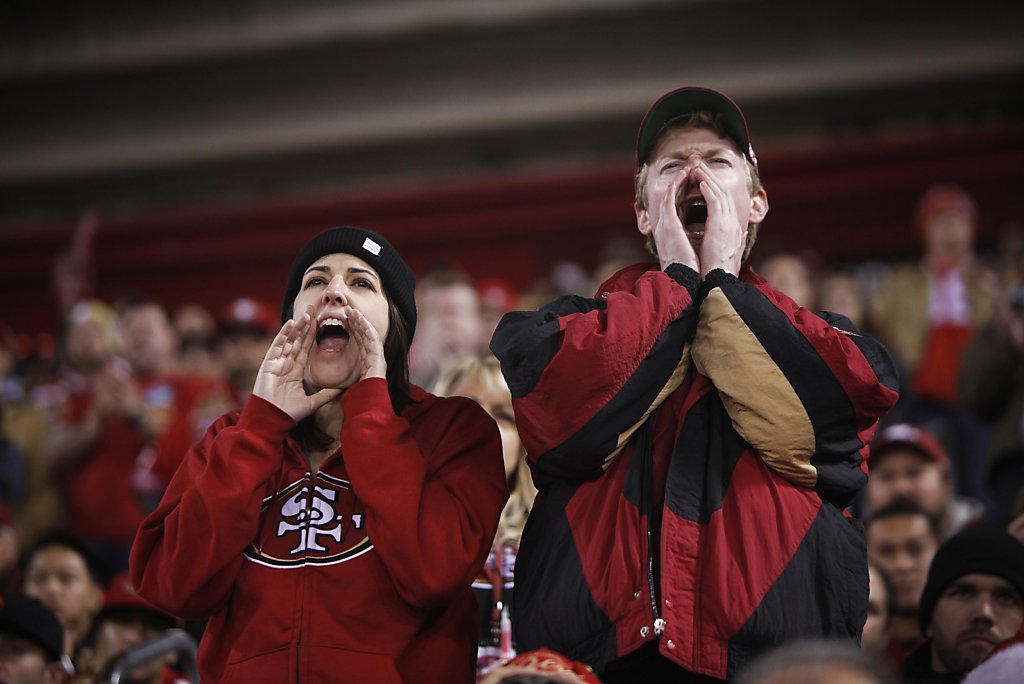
<point x="319" y="268"/>
<point x="358" y="269"/>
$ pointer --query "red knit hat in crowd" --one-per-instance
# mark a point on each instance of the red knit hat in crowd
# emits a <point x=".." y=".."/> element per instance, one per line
<point x="245" y="313"/>
<point x="940" y="199"/>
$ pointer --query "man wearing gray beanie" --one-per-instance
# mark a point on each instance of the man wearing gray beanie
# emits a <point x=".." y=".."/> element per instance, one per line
<point x="973" y="600"/>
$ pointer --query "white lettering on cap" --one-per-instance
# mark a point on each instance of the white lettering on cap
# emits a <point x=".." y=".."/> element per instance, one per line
<point x="371" y="247"/>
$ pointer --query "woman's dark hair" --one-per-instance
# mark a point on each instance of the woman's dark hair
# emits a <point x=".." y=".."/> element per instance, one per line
<point x="396" y="354"/>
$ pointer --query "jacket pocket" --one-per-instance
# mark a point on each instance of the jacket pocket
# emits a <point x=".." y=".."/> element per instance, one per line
<point x="272" y="667"/>
<point x="319" y="664"/>
<point x="341" y="666"/>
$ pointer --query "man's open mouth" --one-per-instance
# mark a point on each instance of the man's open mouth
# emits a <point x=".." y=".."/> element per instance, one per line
<point x="695" y="211"/>
<point x="694" y="215"/>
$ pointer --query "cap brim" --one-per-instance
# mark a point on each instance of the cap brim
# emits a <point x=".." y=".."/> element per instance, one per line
<point x="683" y="101"/>
<point x="880" y="452"/>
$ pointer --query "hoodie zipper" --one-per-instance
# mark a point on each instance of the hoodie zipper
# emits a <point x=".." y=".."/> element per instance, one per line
<point x="303" y="577"/>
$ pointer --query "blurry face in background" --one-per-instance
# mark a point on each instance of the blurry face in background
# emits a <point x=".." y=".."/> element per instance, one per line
<point x="243" y="350"/>
<point x="452" y="316"/>
<point x="818" y="672"/>
<point x="840" y="293"/>
<point x="789" y="274"/>
<point x="241" y="353"/>
<point x="875" y="628"/>
<point x="903" y="547"/>
<point x="88" y="346"/>
<point x="904" y="473"/>
<point x="498" y="404"/>
<point x="949" y="234"/>
<point x="150" y="343"/>
<point x="59" y="577"/>
<point x="126" y="629"/>
<point x="23" y="662"/>
<point x="8" y="547"/>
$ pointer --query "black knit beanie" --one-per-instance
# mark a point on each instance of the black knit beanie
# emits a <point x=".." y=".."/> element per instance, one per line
<point x="371" y="247"/>
<point x="986" y="549"/>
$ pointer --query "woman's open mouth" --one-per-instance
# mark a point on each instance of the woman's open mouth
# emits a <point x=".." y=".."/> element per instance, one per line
<point x="331" y="335"/>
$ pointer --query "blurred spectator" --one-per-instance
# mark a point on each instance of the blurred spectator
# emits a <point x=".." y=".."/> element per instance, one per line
<point x="89" y="349"/>
<point x="791" y="275"/>
<point x="902" y="539"/>
<point x="881" y="608"/>
<point x="127" y="430"/>
<point x="91" y="338"/>
<point x="126" y="621"/>
<point x="567" y="277"/>
<point x="31" y="642"/>
<point x="197" y="341"/>
<point x="481" y="380"/>
<point x="12" y="470"/>
<point x="563" y="278"/>
<point x="10" y="385"/>
<point x="66" y="574"/>
<point x="973" y="600"/>
<point x="909" y="463"/>
<point x="926" y="315"/>
<point x="23" y="426"/>
<point x="840" y="292"/>
<point x="497" y="298"/>
<point x="246" y="330"/>
<point x="450" y="324"/>
<point x="36" y="361"/>
<point x="616" y="254"/>
<point x="815" y="662"/>
<point x="10" y="552"/>
<point x="992" y="379"/>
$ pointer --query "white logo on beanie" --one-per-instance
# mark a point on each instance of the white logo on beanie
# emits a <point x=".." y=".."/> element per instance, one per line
<point x="371" y="247"/>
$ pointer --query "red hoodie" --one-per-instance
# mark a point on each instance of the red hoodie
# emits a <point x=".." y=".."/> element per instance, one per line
<point x="359" y="573"/>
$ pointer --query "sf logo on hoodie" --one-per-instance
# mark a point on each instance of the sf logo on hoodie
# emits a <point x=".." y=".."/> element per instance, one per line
<point x="313" y="521"/>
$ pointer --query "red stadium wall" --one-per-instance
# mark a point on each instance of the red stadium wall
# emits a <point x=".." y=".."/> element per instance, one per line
<point x="849" y="202"/>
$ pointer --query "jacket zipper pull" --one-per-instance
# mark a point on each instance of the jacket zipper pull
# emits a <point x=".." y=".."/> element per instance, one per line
<point x="659" y="626"/>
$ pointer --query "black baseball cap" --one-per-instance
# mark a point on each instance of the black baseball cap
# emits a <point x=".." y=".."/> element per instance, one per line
<point x="28" y="618"/>
<point x="678" y="103"/>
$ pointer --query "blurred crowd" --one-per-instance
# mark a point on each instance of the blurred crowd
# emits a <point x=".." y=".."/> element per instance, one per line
<point x="93" y="428"/>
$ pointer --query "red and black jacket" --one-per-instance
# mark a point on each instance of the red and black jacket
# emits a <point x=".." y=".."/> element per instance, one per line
<point x="696" y="444"/>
